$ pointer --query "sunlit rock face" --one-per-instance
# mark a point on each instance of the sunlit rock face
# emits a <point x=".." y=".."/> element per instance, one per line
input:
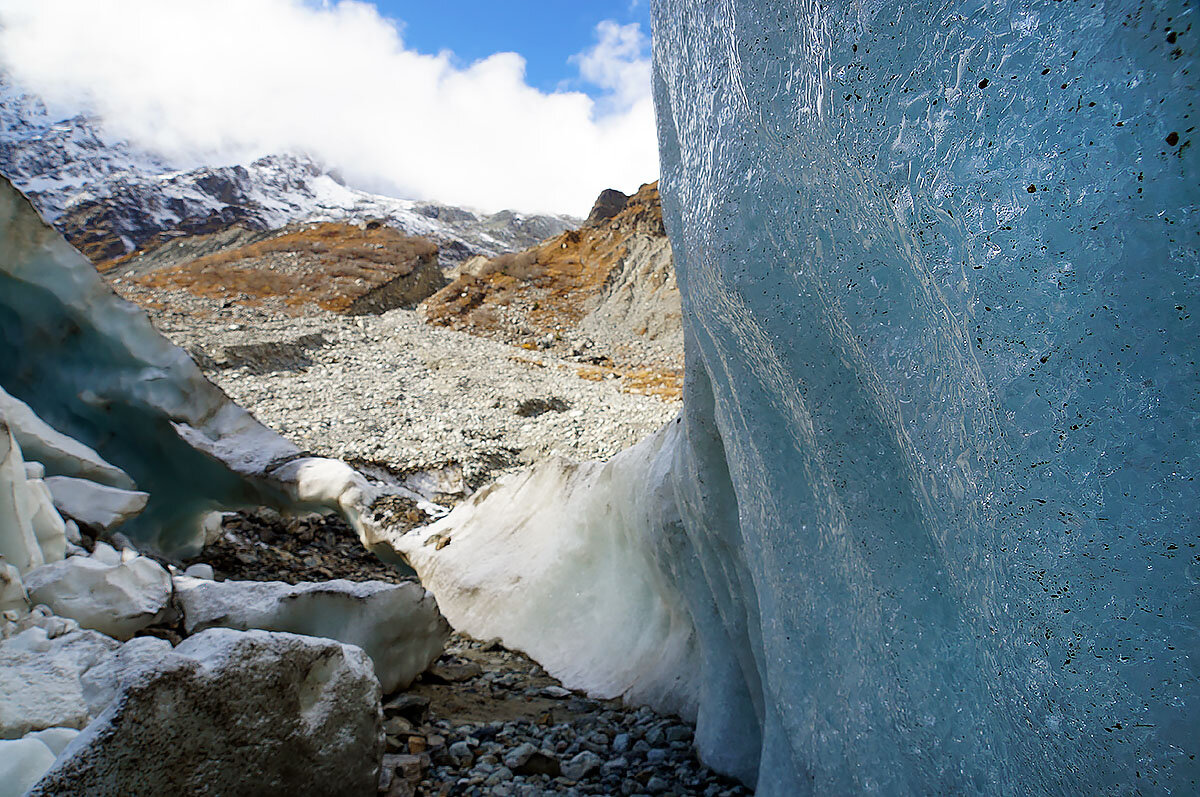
<point x="939" y="277"/>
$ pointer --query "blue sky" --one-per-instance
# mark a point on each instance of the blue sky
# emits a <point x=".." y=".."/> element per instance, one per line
<point x="546" y="32"/>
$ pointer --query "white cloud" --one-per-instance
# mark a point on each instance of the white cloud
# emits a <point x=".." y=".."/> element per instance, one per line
<point x="232" y="79"/>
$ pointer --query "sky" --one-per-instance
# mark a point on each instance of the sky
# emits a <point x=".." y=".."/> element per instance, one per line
<point x="535" y="105"/>
<point x="546" y="32"/>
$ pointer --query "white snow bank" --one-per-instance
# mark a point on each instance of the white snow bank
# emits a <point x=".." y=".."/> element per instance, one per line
<point x="398" y="625"/>
<point x="559" y="562"/>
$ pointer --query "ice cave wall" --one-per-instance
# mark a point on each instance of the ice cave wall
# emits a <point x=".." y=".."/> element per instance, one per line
<point x="939" y="275"/>
<point x="92" y="367"/>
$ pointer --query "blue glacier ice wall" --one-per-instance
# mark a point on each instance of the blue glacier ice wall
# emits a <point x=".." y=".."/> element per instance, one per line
<point x="92" y="366"/>
<point x="939" y="270"/>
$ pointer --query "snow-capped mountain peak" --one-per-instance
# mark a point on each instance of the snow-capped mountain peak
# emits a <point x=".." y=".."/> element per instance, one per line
<point x="109" y="197"/>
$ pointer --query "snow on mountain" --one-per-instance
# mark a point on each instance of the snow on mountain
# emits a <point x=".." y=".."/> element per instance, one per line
<point x="110" y="198"/>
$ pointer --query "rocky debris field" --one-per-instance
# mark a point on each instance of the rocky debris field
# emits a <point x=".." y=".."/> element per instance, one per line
<point x="392" y="391"/>
<point x="263" y="545"/>
<point x="483" y="720"/>
<point x="395" y="396"/>
<point x="488" y="721"/>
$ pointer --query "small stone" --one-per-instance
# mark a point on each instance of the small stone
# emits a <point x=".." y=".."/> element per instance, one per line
<point x="460" y="753"/>
<point x="556" y="692"/>
<point x="679" y="733"/>
<point x="454" y="673"/>
<point x="656" y="756"/>
<point x="516" y="757"/>
<point x="657" y="785"/>
<point x="397" y="726"/>
<point x="413" y="708"/>
<point x="620" y="743"/>
<point x="581" y="765"/>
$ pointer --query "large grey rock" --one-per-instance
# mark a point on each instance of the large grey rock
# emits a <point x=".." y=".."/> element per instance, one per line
<point x="398" y="625"/>
<point x="233" y="713"/>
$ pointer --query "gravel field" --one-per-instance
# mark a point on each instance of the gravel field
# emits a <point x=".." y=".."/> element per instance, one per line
<point x="392" y="390"/>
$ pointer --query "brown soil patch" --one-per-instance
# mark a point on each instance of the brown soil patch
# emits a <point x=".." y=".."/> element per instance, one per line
<point x="338" y="267"/>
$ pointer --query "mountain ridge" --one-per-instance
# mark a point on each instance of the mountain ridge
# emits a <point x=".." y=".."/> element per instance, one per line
<point x="110" y="198"/>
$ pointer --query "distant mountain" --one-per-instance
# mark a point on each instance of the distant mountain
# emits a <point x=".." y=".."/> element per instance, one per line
<point x="110" y="198"/>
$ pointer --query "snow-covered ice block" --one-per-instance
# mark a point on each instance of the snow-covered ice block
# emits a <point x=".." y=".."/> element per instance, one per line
<point x="40" y="679"/>
<point x="116" y="385"/>
<point x="232" y="712"/>
<point x="31" y="530"/>
<point x="22" y="764"/>
<point x="100" y="683"/>
<point x="12" y="591"/>
<point x="23" y="761"/>
<point x="200" y="570"/>
<point x="117" y="598"/>
<point x="96" y="505"/>
<point x="398" y="625"/>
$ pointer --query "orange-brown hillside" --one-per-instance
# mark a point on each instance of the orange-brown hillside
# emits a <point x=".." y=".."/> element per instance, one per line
<point x="547" y="291"/>
<point x="343" y="268"/>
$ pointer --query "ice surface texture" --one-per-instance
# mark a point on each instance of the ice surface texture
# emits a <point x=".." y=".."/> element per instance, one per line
<point x="939" y="277"/>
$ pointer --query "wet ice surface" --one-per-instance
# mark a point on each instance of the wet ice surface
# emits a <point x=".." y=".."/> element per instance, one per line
<point x="938" y="267"/>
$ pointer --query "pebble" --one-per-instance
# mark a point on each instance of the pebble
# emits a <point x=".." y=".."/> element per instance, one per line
<point x="581" y="765"/>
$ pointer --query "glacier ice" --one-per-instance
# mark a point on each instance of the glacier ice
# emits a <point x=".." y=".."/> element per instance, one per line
<point x="117" y="598"/>
<point x="87" y="381"/>
<point x="397" y="625"/>
<point x="550" y="563"/>
<point x="31" y="530"/>
<point x="930" y="505"/>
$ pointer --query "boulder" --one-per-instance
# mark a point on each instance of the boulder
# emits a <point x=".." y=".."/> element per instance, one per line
<point x="251" y="713"/>
<point x="398" y="625"/>
<point x="116" y="598"/>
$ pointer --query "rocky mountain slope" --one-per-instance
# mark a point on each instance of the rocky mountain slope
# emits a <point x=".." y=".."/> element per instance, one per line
<point x="344" y="268"/>
<point x="604" y="293"/>
<point x="110" y="198"/>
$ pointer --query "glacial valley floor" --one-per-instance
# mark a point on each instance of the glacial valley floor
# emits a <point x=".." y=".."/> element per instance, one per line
<point x="392" y="394"/>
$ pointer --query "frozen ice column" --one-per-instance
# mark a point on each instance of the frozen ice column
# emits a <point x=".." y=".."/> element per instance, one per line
<point x="939" y="277"/>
